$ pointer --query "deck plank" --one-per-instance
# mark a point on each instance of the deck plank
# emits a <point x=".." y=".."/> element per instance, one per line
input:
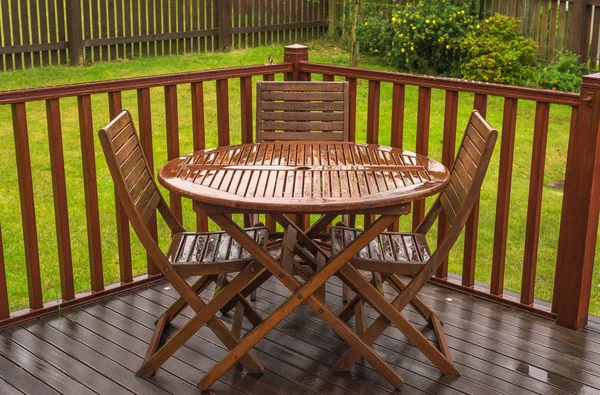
<point x="98" y="347"/>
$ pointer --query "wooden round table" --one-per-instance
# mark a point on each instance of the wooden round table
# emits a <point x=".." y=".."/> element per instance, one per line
<point x="304" y="177"/>
<point x="320" y="177"/>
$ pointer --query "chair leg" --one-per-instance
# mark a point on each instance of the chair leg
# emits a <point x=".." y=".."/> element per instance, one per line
<point x="176" y="308"/>
<point x="238" y="318"/>
<point x="359" y="314"/>
<point x="345" y="293"/>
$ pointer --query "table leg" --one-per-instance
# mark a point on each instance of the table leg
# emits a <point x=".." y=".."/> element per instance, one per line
<point x="302" y="293"/>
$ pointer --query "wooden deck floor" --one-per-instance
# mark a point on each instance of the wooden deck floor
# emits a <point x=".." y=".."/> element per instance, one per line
<point x="96" y="349"/>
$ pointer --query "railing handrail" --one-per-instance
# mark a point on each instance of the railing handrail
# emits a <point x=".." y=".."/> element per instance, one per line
<point x="445" y="83"/>
<point x="124" y="84"/>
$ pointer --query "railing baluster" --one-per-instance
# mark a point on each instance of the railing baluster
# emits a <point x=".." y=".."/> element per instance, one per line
<point x="422" y="144"/>
<point x="115" y="106"/>
<point x="223" y="112"/>
<point x="90" y="187"/>
<point x="448" y="152"/>
<point x="328" y="77"/>
<point x="509" y="123"/>
<point x="145" y="123"/>
<point x="270" y="221"/>
<point x="373" y="105"/>
<point x="352" y="108"/>
<point x="471" y="227"/>
<point x="32" y="258"/>
<point x="4" y="308"/>
<point x="398" y="94"/>
<point x="246" y="109"/>
<point x="534" y="208"/>
<point x="59" y="187"/>
<point x="397" y="132"/>
<point x="172" y="124"/>
<point x="197" y="93"/>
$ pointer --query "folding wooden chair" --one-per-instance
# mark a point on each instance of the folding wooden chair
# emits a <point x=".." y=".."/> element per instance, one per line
<point x="204" y="254"/>
<point x="392" y="254"/>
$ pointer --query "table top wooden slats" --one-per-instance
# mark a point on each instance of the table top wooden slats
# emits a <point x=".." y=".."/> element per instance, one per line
<point x="307" y="177"/>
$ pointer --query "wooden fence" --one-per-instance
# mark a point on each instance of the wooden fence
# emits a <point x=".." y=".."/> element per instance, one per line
<point x="50" y="32"/>
<point x="557" y="24"/>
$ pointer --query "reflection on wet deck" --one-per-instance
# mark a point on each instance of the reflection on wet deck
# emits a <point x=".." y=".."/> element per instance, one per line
<point x="96" y="348"/>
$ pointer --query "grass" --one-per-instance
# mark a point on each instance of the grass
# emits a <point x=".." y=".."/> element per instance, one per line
<point x="10" y="218"/>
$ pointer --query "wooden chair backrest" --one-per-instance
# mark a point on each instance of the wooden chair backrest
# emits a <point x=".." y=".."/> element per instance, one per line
<point x="473" y="157"/>
<point x="302" y="111"/>
<point x="134" y="182"/>
<point x="466" y="177"/>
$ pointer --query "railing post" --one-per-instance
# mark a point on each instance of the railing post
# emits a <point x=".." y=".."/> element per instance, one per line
<point x="581" y="207"/>
<point x="295" y="54"/>
<point x="224" y="15"/>
<point x="75" y="32"/>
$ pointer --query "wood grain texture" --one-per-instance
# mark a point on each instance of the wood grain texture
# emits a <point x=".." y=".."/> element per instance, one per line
<point x="303" y="177"/>
<point x="32" y="259"/>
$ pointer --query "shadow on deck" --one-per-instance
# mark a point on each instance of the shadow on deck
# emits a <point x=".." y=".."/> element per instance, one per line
<point x="96" y="349"/>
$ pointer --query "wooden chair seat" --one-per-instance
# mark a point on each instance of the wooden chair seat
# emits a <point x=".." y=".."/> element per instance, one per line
<point x="390" y="252"/>
<point x="200" y="253"/>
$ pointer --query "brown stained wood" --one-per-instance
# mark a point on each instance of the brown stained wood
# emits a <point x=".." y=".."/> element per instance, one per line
<point x="246" y="109"/>
<point x="470" y="245"/>
<point x="139" y="210"/>
<point x="536" y="185"/>
<point x="223" y="112"/>
<point x="285" y="186"/>
<point x="199" y="138"/>
<point x="86" y="130"/>
<point x="579" y="222"/>
<point x="172" y="128"/>
<point x="59" y="188"/>
<point x="32" y="259"/>
<point x="448" y="147"/>
<point x="503" y="200"/>
<point x="4" y="306"/>
<point x="301" y="110"/>
<point x="404" y="253"/>
<point x="145" y="123"/>
<point x="422" y="147"/>
<point x="115" y="106"/>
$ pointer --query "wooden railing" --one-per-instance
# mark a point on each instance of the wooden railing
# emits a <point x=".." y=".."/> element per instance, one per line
<point x="579" y="217"/>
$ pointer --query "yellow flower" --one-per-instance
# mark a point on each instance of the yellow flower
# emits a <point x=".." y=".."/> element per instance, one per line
<point x="478" y="26"/>
<point x="426" y="20"/>
<point x="487" y="21"/>
<point x="447" y="46"/>
<point x="389" y="54"/>
<point x="414" y="28"/>
<point x="449" y="19"/>
<point x="402" y="50"/>
<point x="412" y="48"/>
<point x="366" y="23"/>
<point x="401" y="35"/>
<point x="394" y="19"/>
<point x="433" y="22"/>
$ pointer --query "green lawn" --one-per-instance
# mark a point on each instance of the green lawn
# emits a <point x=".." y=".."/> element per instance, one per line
<point x="10" y="219"/>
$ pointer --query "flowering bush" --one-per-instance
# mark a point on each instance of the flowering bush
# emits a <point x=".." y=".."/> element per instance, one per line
<point x="427" y="35"/>
<point x="563" y="75"/>
<point x="497" y="52"/>
<point x="373" y="33"/>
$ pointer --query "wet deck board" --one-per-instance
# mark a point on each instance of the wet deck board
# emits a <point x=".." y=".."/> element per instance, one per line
<point x="97" y="348"/>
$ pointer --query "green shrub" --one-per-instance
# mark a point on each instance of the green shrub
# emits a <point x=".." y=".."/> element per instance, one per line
<point x="427" y="34"/>
<point x="497" y="52"/>
<point x="563" y="75"/>
<point x="374" y="33"/>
